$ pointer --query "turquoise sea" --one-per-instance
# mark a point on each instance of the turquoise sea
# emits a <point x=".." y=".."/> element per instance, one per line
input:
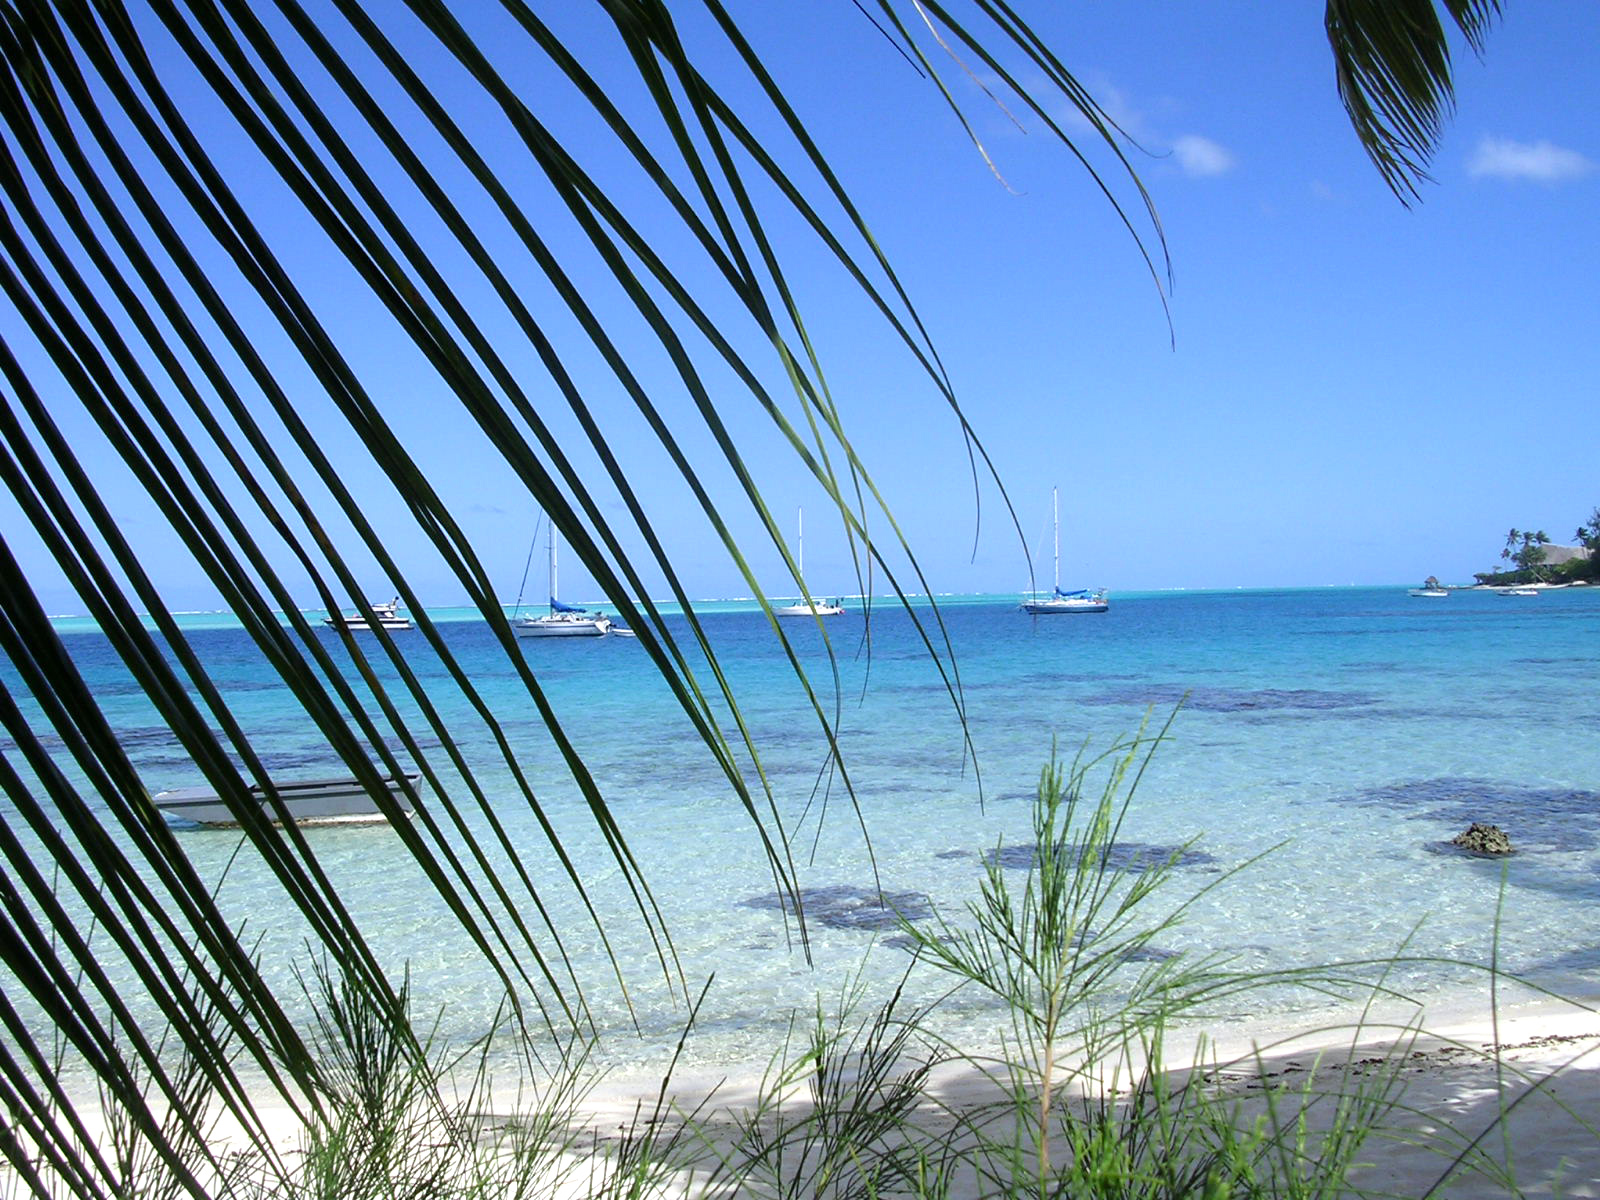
<point x="1342" y="734"/>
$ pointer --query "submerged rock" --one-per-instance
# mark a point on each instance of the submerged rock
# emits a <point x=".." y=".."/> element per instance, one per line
<point x="1479" y="838"/>
<point x="847" y="907"/>
<point x="1561" y="819"/>
<point x="1135" y="954"/>
<point x="1119" y="856"/>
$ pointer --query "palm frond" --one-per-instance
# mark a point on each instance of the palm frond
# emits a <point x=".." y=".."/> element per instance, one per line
<point x="1392" y="60"/>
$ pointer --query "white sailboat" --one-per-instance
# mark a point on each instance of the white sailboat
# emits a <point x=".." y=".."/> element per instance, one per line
<point x="1085" y="600"/>
<point x="563" y="620"/>
<point x="816" y="608"/>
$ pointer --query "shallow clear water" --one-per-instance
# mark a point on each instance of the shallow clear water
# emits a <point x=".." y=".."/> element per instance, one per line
<point x="1341" y="733"/>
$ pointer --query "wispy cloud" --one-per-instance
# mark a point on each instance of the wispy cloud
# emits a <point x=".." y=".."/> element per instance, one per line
<point x="1144" y="121"/>
<point x="1200" y="157"/>
<point x="1542" y="162"/>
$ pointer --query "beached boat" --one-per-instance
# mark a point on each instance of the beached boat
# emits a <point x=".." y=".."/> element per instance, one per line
<point x="387" y="614"/>
<point x="1518" y="591"/>
<point x="1084" y="600"/>
<point x="563" y="620"/>
<point x="815" y="608"/>
<point x="1431" y="588"/>
<point x="309" y="802"/>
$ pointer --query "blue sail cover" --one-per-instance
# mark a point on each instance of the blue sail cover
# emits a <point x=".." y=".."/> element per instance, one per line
<point x="557" y="606"/>
<point x="1073" y="595"/>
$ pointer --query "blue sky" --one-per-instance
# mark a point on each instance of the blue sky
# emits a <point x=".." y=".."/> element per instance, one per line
<point x="1349" y="391"/>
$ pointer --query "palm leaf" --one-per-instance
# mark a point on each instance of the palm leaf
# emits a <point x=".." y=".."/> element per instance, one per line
<point x="1393" y="63"/>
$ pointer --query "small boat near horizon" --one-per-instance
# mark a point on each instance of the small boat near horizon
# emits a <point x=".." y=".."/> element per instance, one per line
<point x="1431" y="588"/>
<point x="1084" y="600"/>
<point x="388" y="616"/>
<point x="814" y="608"/>
<point x="342" y="801"/>
<point x="563" y="620"/>
<point x="1517" y="591"/>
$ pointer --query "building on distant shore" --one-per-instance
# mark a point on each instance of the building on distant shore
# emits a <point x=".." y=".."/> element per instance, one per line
<point x="1555" y="555"/>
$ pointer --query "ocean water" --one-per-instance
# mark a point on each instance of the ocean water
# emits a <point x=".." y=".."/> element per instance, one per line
<point x="1327" y="741"/>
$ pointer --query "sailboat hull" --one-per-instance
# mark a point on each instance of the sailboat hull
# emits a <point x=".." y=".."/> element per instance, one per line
<point x="562" y="625"/>
<point x="1060" y="604"/>
<point x="809" y="610"/>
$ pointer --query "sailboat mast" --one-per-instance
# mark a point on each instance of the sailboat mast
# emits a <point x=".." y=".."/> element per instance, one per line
<point x="552" y="566"/>
<point x="1055" y="518"/>
<point x="800" y="542"/>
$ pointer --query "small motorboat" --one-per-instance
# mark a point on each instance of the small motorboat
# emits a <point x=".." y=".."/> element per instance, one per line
<point x="309" y="802"/>
<point x="388" y="616"/>
<point x="1431" y="588"/>
<point x="1518" y="591"/>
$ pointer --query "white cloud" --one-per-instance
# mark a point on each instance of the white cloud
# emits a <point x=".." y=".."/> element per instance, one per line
<point x="1201" y="157"/>
<point x="1543" y="162"/>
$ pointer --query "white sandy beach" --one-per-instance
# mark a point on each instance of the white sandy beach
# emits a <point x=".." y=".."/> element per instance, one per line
<point x="1519" y="1097"/>
<point x="1529" y="1113"/>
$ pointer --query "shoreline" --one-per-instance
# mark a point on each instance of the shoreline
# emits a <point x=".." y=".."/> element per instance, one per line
<point x="1534" y="1104"/>
<point x="1453" y="1088"/>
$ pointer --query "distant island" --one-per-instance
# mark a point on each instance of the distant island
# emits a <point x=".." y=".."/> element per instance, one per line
<point x="1534" y="558"/>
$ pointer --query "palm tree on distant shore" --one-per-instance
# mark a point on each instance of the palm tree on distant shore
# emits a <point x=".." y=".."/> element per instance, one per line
<point x="152" y="301"/>
<point x="1513" y="541"/>
<point x="1588" y="534"/>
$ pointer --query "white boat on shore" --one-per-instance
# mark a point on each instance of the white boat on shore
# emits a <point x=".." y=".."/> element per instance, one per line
<point x="563" y="620"/>
<point x="1056" y="601"/>
<point x="1517" y="591"/>
<point x="309" y="802"/>
<point x="815" y="608"/>
<point x="388" y="616"/>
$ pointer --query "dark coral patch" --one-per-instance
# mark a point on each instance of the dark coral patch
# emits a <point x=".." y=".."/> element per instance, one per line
<point x="1137" y="954"/>
<point x="1119" y="856"/>
<point x="1225" y="699"/>
<point x="846" y="906"/>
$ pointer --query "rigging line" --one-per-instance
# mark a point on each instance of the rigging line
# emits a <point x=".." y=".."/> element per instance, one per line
<point x="532" y="546"/>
